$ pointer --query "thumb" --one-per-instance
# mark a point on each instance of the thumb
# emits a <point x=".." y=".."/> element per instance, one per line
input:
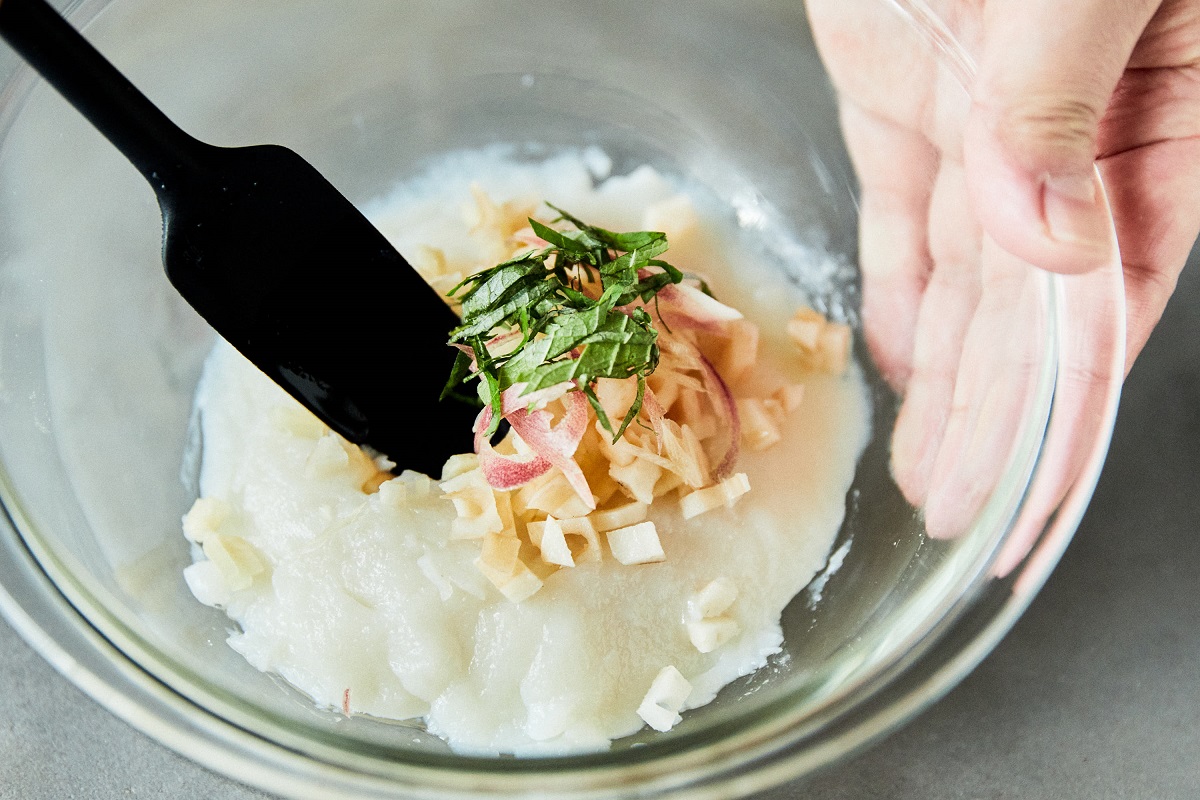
<point x="1047" y="71"/>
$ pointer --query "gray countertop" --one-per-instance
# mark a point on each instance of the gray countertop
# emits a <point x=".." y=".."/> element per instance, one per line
<point x="1095" y="693"/>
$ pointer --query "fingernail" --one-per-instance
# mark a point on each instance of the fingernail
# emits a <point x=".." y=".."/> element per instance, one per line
<point x="1075" y="213"/>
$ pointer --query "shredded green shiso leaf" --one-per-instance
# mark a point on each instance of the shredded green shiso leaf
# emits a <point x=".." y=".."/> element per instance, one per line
<point x="566" y="335"/>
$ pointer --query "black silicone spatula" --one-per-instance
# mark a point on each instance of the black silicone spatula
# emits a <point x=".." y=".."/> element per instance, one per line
<point x="276" y="260"/>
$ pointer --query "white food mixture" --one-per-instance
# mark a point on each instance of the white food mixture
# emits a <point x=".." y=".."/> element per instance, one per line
<point x="522" y="620"/>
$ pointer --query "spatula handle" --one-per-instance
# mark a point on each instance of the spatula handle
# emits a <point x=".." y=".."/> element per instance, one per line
<point x="155" y="145"/>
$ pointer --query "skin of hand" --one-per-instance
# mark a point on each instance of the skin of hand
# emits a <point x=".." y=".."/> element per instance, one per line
<point x="961" y="191"/>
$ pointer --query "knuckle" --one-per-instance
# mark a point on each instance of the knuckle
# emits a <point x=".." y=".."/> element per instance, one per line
<point x="1049" y="129"/>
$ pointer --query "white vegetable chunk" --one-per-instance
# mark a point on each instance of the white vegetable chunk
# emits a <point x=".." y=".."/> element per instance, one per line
<point x="458" y="465"/>
<point x="236" y="558"/>
<point x="553" y="495"/>
<point x="636" y="544"/>
<point x="582" y="538"/>
<point x="713" y="600"/>
<point x="205" y="582"/>
<point x="620" y="516"/>
<point x="707" y="635"/>
<point x="835" y="348"/>
<point x="475" y="504"/>
<point x="639" y="478"/>
<point x="707" y="625"/>
<point x="790" y="396"/>
<point x="500" y="563"/>
<point x="726" y="493"/>
<point x="522" y="585"/>
<point x="823" y="345"/>
<point x="759" y="429"/>
<point x="328" y="457"/>
<point x="805" y="329"/>
<point x="393" y="493"/>
<point x="204" y="518"/>
<point x="661" y="706"/>
<point x="550" y="539"/>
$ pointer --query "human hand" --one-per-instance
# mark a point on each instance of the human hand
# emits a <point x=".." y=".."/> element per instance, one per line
<point x="952" y="212"/>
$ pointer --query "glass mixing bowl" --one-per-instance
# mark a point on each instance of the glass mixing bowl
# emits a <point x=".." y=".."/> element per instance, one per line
<point x="99" y="359"/>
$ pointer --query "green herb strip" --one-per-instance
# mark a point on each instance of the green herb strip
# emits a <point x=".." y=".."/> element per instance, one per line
<point x="566" y="335"/>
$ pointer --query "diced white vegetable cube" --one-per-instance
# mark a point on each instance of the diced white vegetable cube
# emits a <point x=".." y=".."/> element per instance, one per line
<point x="759" y="428"/>
<point x="550" y="539"/>
<point x="620" y="516"/>
<point x="500" y="553"/>
<point x="734" y="487"/>
<point x="616" y="395"/>
<point x="236" y="558"/>
<point x="205" y="581"/>
<point x="459" y="464"/>
<point x="726" y="493"/>
<point x="393" y="493"/>
<point x="475" y="505"/>
<point x="805" y="328"/>
<point x="204" y="518"/>
<point x="835" y="348"/>
<point x="500" y="563"/>
<point x="699" y="502"/>
<point x="417" y="484"/>
<point x="790" y="396"/>
<point x="554" y="496"/>
<point x="740" y="352"/>
<point x="713" y="600"/>
<point x="685" y="454"/>
<point x="328" y="457"/>
<point x="636" y="544"/>
<point x="638" y="478"/>
<point x="707" y="635"/>
<point x="582" y="538"/>
<point x="622" y="451"/>
<point x="664" y="700"/>
<point x="707" y="625"/>
<point x="522" y="585"/>
<point x="823" y="345"/>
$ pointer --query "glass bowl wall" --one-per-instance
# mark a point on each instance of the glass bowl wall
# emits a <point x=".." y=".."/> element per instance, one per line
<point x="99" y="360"/>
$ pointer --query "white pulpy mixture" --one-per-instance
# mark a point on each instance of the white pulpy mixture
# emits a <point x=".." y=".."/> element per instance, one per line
<point x="359" y="594"/>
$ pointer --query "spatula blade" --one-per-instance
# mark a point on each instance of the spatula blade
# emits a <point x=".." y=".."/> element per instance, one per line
<point x="292" y="274"/>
